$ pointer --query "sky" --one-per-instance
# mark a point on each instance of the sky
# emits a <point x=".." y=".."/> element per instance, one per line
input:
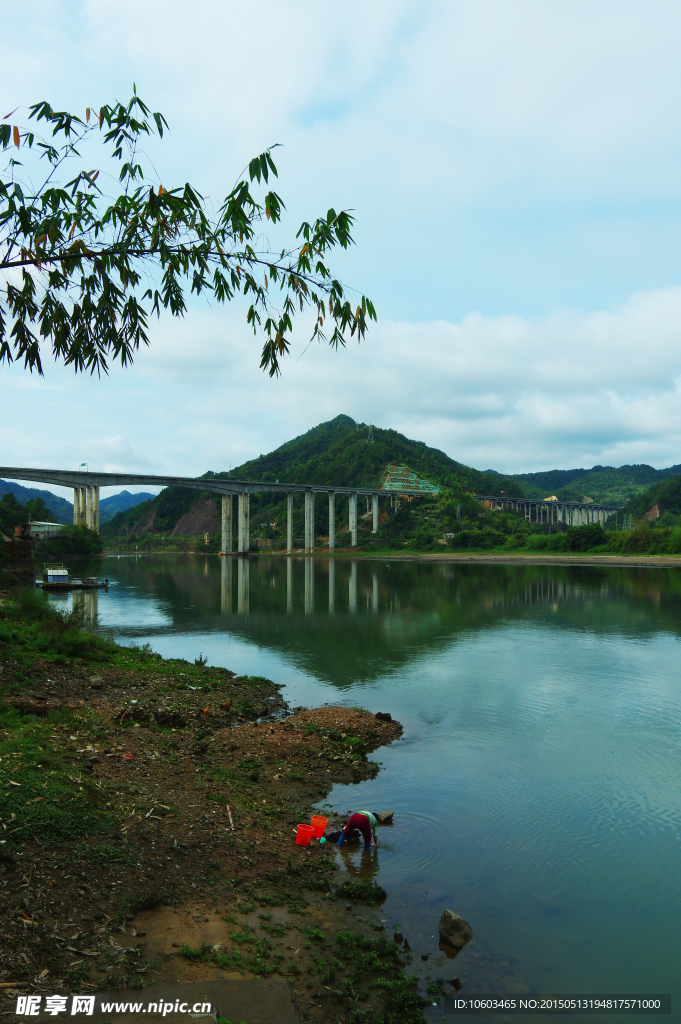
<point x="515" y="173"/>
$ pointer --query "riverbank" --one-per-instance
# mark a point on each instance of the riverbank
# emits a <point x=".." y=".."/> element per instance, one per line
<point x="532" y="558"/>
<point x="463" y="557"/>
<point x="148" y="811"/>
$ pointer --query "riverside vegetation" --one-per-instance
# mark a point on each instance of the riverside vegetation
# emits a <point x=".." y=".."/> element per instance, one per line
<point x="141" y="795"/>
<point x="71" y="541"/>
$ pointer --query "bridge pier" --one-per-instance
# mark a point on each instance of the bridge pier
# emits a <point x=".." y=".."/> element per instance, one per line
<point x="332" y="521"/>
<point x="374" y="593"/>
<point x="289" y="586"/>
<point x="352" y="519"/>
<point x="352" y="588"/>
<point x="243" y="595"/>
<point x="309" y="586"/>
<point x="226" y="586"/>
<point x="244" y="523"/>
<point x="227" y="515"/>
<point x="309" y="522"/>
<point x="374" y="508"/>
<point x="289" y="522"/>
<point x="332" y="587"/>
<point x="91" y="516"/>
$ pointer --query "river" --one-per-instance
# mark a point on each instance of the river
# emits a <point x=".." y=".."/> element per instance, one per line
<point x="536" y="786"/>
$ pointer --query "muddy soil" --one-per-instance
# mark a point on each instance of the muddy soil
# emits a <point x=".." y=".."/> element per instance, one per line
<point x="199" y="778"/>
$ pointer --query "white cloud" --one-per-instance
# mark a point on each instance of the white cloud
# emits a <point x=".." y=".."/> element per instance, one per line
<point x="506" y="393"/>
<point x="517" y="159"/>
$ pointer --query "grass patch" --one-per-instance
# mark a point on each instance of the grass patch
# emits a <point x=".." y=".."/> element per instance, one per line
<point x="202" y="952"/>
<point x="35" y="628"/>
<point x="45" y="792"/>
<point x="363" y="891"/>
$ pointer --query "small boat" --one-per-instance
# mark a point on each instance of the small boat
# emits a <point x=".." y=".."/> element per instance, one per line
<point x="56" y="577"/>
<point x="92" y="583"/>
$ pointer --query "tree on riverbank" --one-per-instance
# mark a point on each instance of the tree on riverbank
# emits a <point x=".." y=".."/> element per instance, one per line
<point x="84" y="268"/>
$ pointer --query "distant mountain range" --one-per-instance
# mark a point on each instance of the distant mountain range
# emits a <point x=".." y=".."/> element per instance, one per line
<point x="63" y="509"/>
<point x="616" y="486"/>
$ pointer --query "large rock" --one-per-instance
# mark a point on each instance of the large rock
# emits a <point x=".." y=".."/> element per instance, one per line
<point x="454" y="930"/>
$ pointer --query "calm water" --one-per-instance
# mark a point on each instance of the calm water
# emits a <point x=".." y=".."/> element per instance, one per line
<point x="536" y="787"/>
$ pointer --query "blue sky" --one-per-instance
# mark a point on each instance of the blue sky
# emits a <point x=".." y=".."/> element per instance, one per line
<point x="515" y="173"/>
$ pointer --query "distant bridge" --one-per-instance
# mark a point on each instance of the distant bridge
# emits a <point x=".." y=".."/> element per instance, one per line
<point x="549" y="510"/>
<point x="86" y="499"/>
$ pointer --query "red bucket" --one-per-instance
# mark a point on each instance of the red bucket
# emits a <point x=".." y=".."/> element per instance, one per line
<point x="318" y="824"/>
<point x="304" y="835"/>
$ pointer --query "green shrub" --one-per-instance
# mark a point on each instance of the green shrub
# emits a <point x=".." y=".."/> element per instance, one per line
<point x="674" y="542"/>
<point x="584" y="538"/>
<point x="537" y="542"/>
<point x="70" y="542"/>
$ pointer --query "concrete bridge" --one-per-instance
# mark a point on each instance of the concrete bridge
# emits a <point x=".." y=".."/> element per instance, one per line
<point x="86" y="488"/>
<point x="570" y="513"/>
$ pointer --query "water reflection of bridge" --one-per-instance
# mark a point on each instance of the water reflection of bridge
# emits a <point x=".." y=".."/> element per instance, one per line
<point x="330" y="587"/>
<point x="241" y="568"/>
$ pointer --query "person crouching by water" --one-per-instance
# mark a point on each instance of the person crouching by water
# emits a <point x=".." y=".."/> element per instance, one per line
<point x="365" y="822"/>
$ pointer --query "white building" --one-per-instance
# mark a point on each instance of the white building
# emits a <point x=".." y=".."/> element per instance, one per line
<point x="36" y="530"/>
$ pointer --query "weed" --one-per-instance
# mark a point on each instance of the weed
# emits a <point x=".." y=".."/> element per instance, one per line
<point x="129" y="905"/>
<point x="201" y="953"/>
<point x="402" y="1002"/>
<point x="314" y="934"/>
<point x="364" y="891"/>
<point x="75" y="978"/>
<point x="277" y="930"/>
<point x="327" y="968"/>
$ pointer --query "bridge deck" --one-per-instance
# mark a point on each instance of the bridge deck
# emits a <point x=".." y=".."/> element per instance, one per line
<point x="69" y="478"/>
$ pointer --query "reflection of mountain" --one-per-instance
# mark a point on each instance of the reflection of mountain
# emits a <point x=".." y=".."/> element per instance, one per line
<point x="402" y="608"/>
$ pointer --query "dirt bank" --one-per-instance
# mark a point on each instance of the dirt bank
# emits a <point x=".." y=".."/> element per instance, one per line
<point x="148" y="812"/>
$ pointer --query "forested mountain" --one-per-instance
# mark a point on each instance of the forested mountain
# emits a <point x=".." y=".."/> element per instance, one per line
<point x="615" y="486"/>
<point x="63" y="509"/>
<point x="663" y="499"/>
<point x="60" y="507"/>
<point x="339" y="452"/>
<point x="115" y="503"/>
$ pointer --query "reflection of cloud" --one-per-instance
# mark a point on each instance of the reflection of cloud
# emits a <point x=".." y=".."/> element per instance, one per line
<point x="504" y="392"/>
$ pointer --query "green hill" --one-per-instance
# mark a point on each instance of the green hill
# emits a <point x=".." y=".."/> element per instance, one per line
<point x="338" y="452"/>
<point x="615" y="486"/>
<point x="666" y="495"/>
<point x="110" y="506"/>
<point x="60" y="507"/>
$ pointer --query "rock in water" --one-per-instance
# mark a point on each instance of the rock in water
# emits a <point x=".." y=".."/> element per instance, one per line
<point x="454" y="930"/>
